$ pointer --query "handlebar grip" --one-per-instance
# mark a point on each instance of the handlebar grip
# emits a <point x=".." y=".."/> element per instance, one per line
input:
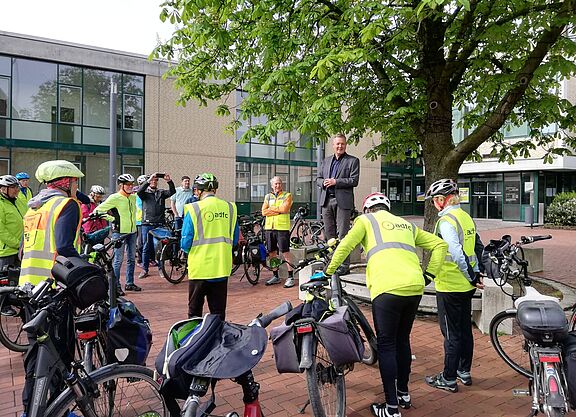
<point x="7" y="290"/>
<point x="530" y="239"/>
<point x="279" y="311"/>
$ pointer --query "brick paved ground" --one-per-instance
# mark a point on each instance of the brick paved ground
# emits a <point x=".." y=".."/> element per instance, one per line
<point x="282" y="395"/>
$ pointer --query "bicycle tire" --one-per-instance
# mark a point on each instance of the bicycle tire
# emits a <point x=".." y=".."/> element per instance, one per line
<point x="317" y="228"/>
<point x="326" y="384"/>
<point x="509" y="342"/>
<point x="127" y="389"/>
<point x="572" y="323"/>
<point x="11" y="333"/>
<point x="251" y="269"/>
<point x="173" y="265"/>
<point x="304" y="233"/>
<point x="366" y="332"/>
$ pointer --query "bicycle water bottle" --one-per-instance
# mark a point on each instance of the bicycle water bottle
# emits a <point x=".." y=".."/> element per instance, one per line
<point x="274" y="262"/>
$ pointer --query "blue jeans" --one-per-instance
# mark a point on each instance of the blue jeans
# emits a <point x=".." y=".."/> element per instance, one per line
<point x="130" y="245"/>
<point x="147" y="245"/>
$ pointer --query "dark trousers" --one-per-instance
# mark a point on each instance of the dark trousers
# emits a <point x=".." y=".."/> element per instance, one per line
<point x="393" y="319"/>
<point x="139" y="244"/>
<point x="215" y="293"/>
<point x="336" y="222"/>
<point x="10" y="260"/>
<point x="455" y="317"/>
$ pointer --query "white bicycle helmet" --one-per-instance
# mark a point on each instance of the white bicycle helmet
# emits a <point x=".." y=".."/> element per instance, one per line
<point x="142" y="179"/>
<point x="97" y="189"/>
<point x="8" y="181"/>
<point x="374" y="199"/>
<point x="445" y="186"/>
<point x="124" y="178"/>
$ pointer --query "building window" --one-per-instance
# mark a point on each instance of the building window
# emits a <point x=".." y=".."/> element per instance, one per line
<point x="70" y="105"/>
<point x="4" y="97"/>
<point x="5" y="66"/>
<point x="34" y="90"/>
<point x="70" y="75"/>
<point x="133" y="112"/>
<point x="97" y="97"/>
<point x="133" y="84"/>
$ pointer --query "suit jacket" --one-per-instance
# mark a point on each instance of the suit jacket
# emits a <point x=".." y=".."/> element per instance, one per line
<point x="346" y="177"/>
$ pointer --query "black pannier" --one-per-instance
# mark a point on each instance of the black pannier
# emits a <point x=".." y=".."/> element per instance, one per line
<point x="129" y="337"/>
<point x="569" y="353"/>
<point x="285" y="351"/>
<point x="341" y="338"/>
<point x="85" y="283"/>
<point x="542" y="321"/>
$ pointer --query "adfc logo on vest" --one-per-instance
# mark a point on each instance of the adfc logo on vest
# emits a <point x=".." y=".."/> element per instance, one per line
<point x="391" y="226"/>
<point x="210" y="215"/>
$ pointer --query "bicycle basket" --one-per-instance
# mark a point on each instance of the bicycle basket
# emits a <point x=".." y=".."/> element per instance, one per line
<point x="86" y="283"/>
<point x="98" y="236"/>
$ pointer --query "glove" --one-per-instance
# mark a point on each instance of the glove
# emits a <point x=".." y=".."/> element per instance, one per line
<point x="318" y="276"/>
<point x="428" y="278"/>
<point x="477" y="279"/>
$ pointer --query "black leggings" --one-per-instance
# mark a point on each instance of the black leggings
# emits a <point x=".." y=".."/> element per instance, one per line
<point x="393" y="319"/>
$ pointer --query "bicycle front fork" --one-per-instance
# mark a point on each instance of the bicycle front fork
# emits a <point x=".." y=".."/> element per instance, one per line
<point x="250" y="389"/>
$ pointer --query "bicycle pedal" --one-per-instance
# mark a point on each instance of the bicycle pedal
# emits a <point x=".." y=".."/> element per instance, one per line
<point x="520" y="393"/>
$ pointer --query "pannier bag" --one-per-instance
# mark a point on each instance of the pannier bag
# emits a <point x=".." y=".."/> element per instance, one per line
<point x="257" y="253"/>
<point x="85" y="283"/>
<point x="285" y="350"/>
<point x="129" y="337"/>
<point x="341" y="338"/>
<point x="542" y="321"/>
<point x="569" y="353"/>
<point x="99" y="236"/>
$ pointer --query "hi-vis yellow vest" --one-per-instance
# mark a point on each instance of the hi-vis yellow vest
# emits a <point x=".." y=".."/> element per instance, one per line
<point x="214" y="222"/>
<point x="39" y="246"/>
<point x="393" y="265"/>
<point x="450" y="278"/>
<point x="281" y="221"/>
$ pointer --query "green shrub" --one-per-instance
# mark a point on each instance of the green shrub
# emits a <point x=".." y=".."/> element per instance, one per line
<point x="562" y="211"/>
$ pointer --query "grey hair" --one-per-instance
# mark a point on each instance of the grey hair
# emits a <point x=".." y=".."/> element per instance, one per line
<point x="276" y="178"/>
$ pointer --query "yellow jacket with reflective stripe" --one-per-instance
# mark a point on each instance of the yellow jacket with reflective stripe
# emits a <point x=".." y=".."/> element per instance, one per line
<point x="451" y="278"/>
<point x="214" y="221"/>
<point x="39" y="245"/>
<point x="280" y="221"/>
<point x="390" y="244"/>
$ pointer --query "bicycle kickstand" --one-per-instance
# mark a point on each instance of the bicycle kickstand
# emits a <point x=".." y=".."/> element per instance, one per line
<point x="303" y="409"/>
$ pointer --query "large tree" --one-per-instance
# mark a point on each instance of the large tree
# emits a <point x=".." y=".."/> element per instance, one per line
<point x="394" y="68"/>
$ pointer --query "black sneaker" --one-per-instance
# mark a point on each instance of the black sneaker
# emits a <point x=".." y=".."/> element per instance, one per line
<point x="120" y="292"/>
<point x="132" y="287"/>
<point x="464" y="377"/>
<point x="381" y="410"/>
<point x="438" y="381"/>
<point x="8" y="311"/>
<point x="143" y="274"/>
<point x="404" y="401"/>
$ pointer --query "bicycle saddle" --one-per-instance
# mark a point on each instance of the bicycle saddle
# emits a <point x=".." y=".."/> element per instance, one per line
<point x="312" y="285"/>
<point x="532" y="294"/>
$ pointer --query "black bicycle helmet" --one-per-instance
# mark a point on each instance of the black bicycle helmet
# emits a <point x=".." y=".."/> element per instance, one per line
<point x="445" y="186"/>
<point x="205" y="182"/>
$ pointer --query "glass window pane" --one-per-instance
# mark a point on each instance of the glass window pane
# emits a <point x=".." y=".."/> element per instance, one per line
<point x="34" y="90"/>
<point x="260" y="185"/>
<point x="132" y="139"/>
<point x="33" y="131"/>
<point x="5" y="65"/>
<point x="302" y="154"/>
<point x="134" y="84"/>
<point x="94" y="136"/>
<point x="4" y="128"/>
<point x="70" y="105"/>
<point x="4" y="97"/>
<point x="70" y="75"/>
<point x="262" y="151"/>
<point x="242" y="149"/>
<point x="132" y="112"/>
<point x="242" y="186"/>
<point x="97" y="97"/>
<point x="301" y="186"/>
<point x="69" y="134"/>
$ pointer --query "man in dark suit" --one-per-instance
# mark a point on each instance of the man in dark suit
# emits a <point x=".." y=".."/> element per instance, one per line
<point x="337" y="178"/>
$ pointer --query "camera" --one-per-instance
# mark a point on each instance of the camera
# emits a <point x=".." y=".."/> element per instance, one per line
<point x="159" y="175"/>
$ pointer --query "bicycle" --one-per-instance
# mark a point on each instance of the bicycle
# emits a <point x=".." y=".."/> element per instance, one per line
<point x="529" y="336"/>
<point x="250" y="251"/>
<point x="172" y="261"/>
<point x="95" y="394"/>
<point x="320" y="357"/>
<point x="308" y="232"/>
<point x="206" y="350"/>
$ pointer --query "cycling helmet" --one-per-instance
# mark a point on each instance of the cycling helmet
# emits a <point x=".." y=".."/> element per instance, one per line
<point x="22" y="176"/>
<point x="206" y="181"/>
<point x="124" y="178"/>
<point x="8" y="181"/>
<point x="142" y="179"/>
<point x="374" y="199"/>
<point x="51" y="170"/>
<point x="445" y="186"/>
<point x="97" y="189"/>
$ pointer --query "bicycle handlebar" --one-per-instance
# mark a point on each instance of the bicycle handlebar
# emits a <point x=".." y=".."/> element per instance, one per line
<point x="531" y="239"/>
<point x="8" y="290"/>
<point x="279" y="311"/>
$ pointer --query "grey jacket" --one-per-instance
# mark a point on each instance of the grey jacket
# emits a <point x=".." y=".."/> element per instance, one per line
<point x="346" y="177"/>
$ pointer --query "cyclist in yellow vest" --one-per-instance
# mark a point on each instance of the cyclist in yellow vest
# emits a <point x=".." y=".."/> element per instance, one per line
<point x="12" y="210"/>
<point x="455" y="285"/>
<point x="52" y="223"/>
<point x="209" y="231"/>
<point x="396" y="283"/>
<point x="276" y="209"/>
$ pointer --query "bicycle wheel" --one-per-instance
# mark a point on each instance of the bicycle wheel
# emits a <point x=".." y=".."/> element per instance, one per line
<point x="304" y="233"/>
<point x="251" y="269"/>
<point x="317" y="230"/>
<point x="326" y="385"/>
<point x="12" y="318"/>
<point x="173" y="268"/>
<point x="122" y="390"/>
<point x="508" y="340"/>
<point x="572" y="322"/>
<point x="368" y="336"/>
